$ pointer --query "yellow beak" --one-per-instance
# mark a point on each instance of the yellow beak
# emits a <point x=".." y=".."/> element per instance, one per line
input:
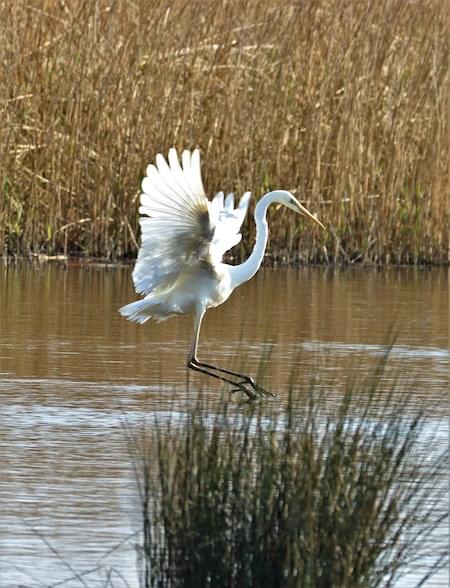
<point x="304" y="211"/>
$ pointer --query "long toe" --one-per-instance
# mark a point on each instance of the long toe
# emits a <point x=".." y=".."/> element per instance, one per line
<point x="252" y="392"/>
<point x="249" y="392"/>
<point x="263" y="391"/>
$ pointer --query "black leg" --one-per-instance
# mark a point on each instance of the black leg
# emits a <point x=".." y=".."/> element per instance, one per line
<point x="245" y="384"/>
<point x="244" y="379"/>
<point x="195" y="365"/>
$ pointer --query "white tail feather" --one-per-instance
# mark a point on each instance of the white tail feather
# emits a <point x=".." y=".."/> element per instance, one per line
<point x="138" y="312"/>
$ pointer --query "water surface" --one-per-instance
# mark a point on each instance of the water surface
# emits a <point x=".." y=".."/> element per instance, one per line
<point x="72" y="371"/>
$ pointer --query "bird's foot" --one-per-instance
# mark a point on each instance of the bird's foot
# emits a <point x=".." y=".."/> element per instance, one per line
<point x="251" y="395"/>
<point x="256" y="388"/>
<point x="262" y="391"/>
<point x="252" y="389"/>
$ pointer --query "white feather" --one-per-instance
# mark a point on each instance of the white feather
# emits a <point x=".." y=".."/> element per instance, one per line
<point x="180" y="227"/>
<point x="229" y="201"/>
<point x="196" y="171"/>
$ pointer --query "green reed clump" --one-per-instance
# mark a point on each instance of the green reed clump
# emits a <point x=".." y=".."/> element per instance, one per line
<point x="345" y="103"/>
<point x="291" y="495"/>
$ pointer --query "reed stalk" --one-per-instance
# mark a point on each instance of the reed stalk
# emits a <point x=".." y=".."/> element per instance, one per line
<point x="293" y="495"/>
<point x="344" y="103"/>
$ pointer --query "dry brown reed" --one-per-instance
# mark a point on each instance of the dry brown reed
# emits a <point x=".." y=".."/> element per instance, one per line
<point x="344" y="102"/>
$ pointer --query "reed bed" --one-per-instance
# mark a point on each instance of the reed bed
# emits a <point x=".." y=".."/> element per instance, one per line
<point x="294" y="495"/>
<point x="345" y="103"/>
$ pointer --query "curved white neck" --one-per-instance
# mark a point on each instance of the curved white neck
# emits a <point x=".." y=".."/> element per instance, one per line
<point x="243" y="272"/>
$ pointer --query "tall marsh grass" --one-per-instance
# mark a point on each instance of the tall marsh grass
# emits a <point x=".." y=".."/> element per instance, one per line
<point x="343" y="102"/>
<point x="291" y="495"/>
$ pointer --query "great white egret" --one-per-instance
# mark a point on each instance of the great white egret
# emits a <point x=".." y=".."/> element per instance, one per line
<point x="179" y="268"/>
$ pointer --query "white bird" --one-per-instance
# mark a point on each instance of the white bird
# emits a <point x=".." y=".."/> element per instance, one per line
<point x="179" y="268"/>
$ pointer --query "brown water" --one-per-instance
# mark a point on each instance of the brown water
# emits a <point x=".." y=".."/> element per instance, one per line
<point x="72" y="371"/>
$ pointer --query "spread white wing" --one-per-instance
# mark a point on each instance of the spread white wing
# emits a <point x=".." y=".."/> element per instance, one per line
<point x="180" y="225"/>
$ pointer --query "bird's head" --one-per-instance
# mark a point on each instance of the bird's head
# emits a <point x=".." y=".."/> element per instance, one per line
<point x="289" y="200"/>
